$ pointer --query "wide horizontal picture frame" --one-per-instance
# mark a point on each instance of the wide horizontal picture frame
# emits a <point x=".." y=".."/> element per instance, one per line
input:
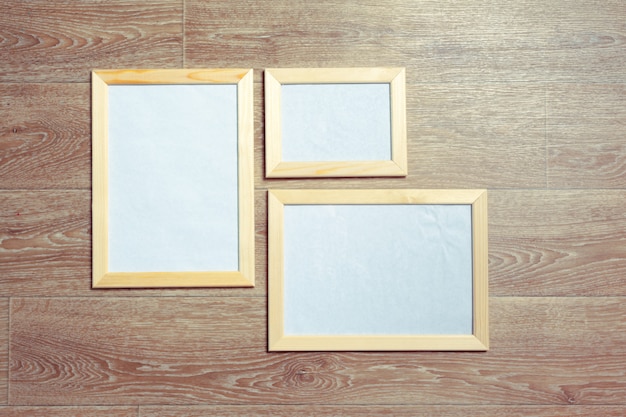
<point x="385" y="120"/>
<point x="293" y="237"/>
<point x="128" y="106"/>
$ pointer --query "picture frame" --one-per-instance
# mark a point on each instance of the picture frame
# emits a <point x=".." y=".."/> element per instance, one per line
<point x="378" y="270"/>
<point x="173" y="181"/>
<point x="335" y="122"/>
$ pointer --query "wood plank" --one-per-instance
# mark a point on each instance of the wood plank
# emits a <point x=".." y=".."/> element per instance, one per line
<point x="4" y="349"/>
<point x="476" y="136"/>
<point x="541" y="243"/>
<point x="549" y="242"/>
<point x="380" y="410"/>
<point x="490" y="84"/>
<point x="585" y="42"/>
<point x="585" y="133"/>
<point x="442" y="41"/>
<point x="45" y="247"/>
<point x="63" y="41"/>
<point x="459" y="136"/>
<point x="462" y="136"/>
<point x="68" y="411"/>
<point x="42" y="146"/>
<point x="188" y="350"/>
<point x="45" y="241"/>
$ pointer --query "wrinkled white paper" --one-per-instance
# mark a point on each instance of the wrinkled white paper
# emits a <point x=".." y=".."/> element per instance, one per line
<point x="173" y="178"/>
<point x="335" y="122"/>
<point x="378" y="269"/>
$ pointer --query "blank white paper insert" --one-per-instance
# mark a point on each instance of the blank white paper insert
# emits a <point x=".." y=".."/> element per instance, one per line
<point x="173" y="199"/>
<point x="378" y="269"/>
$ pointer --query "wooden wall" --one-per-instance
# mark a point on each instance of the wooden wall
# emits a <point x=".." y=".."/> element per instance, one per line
<point x="524" y="97"/>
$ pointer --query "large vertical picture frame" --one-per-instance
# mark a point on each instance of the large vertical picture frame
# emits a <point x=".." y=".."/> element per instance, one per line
<point x="173" y="188"/>
<point x="376" y="270"/>
<point x="335" y="122"/>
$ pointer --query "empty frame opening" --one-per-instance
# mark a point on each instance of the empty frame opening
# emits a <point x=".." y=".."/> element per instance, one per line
<point x="335" y="122"/>
<point x="378" y="269"/>
<point x="173" y="201"/>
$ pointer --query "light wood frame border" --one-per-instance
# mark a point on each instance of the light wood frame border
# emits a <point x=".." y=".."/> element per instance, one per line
<point x="101" y="79"/>
<point x="278" y="341"/>
<point x="276" y="168"/>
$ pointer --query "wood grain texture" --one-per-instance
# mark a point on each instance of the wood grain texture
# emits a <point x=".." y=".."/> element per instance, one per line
<point x="45" y="242"/>
<point x="44" y="136"/>
<point x="45" y="247"/>
<point x="525" y="98"/>
<point x="446" y="40"/>
<point x="477" y="136"/>
<point x="376" y="411"/>
<point x="183" y="350"/>
<point x="4" y="349"/>
<point x="459" y="136"/>
<point x="586" y="135"/>
<point x="68" y="411"/>
<point x="245" y="183"/>
<point x="173" y="76"/>
<point x="540" y="243"/>
<point x="585" y="42"/>
<point x="463" y="136"/>
<point x="561" y="242"/>
<point x="99" y="178"/>
<point x="63" y="41"/>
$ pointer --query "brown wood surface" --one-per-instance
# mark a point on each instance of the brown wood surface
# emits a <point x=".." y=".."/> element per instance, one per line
<point x="162" y="350"/>
<point x="42" y="146"/>
<point x="63" y="41"/>
<point x="4" y="349"/>
<point x="585" y="41"/>
<point x="541" y="242"/>
<point x="493" y="136"/>
<point x="68" y="411"/>
<point x="586" y="135"/>
<point x="526" y="98"/>
<point x="557" y="242"/>
<point x="45" y="247"/>
<point x="445" y="41"/>
<point x="462" y="136"/>
<point x="376" y="411"/>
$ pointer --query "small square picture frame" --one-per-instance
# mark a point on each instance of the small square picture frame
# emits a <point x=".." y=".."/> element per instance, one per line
<point x="378" y="270"/>
<point x="335" y="122"/>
